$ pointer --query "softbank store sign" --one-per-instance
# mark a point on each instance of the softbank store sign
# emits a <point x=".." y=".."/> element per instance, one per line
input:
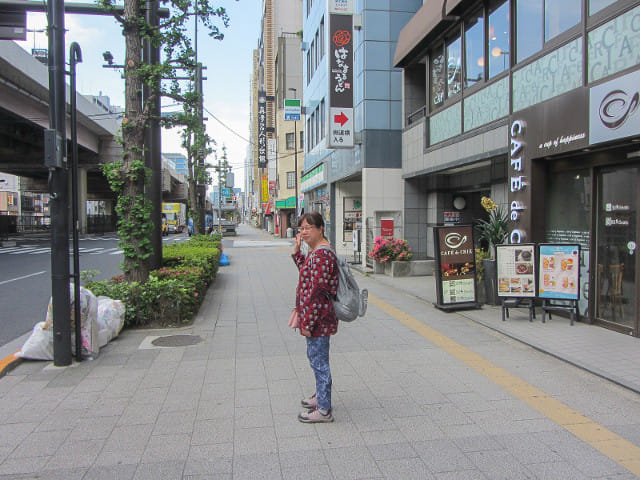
<point x="613" y="109"/>
<point x="548" y="128"/>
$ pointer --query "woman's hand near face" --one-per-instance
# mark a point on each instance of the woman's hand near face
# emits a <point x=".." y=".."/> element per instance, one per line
<point x="296" y="247"/>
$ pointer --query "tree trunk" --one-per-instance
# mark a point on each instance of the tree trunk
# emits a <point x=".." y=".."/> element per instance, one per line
<point x="134" y="203"/>
<point x="195" y="211"/>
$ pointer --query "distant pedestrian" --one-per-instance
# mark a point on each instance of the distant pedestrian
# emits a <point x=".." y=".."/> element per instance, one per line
<point x="317" y="285"/>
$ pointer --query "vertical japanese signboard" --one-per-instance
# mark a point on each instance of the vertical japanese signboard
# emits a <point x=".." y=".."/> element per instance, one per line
<point x="341" y="81"/>
<point x="265" y="188"/>
<point x="262" y="129"/>
<point x="456" y="267"/>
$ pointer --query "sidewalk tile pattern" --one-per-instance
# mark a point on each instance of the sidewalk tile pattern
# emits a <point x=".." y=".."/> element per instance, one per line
<point x="227" y="408"/>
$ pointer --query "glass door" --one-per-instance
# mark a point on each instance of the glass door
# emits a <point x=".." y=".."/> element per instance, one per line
<point x="616" y="247"/>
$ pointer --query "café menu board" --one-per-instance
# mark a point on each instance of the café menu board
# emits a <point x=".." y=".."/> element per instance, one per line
<point x="516" y="270"/>
<point x="559" y="267"/>
<point x="456" y="268"/>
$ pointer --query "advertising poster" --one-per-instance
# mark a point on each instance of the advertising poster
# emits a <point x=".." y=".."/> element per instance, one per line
<point x="456" y="268"/>
<point x="559" y="272"/>
<point x="516" y="270"/>
<point x="386" y="227"/>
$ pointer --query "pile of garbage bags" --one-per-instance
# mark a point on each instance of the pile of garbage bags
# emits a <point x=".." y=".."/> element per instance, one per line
<point x="101" y="320"/>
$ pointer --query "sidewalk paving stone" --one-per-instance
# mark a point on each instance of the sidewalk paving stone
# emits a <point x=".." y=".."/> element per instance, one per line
<point x="404" y="407"/>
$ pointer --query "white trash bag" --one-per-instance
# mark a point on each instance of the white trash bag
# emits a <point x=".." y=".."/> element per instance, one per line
<point x="89" y="329"/>
<point x="39" y="345"/>
<point x="110" y="319"/>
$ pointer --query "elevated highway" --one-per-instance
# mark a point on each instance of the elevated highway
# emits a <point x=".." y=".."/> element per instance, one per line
<point x="24" y="115"/>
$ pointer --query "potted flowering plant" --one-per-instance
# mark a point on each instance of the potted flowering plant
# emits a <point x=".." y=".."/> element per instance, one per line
<point x="388" y="249"/>
<point x="494" y="232"/>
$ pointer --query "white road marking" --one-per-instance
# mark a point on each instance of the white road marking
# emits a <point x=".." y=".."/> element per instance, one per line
<point x="23" y="277"/>
<point x="39" y="250"/>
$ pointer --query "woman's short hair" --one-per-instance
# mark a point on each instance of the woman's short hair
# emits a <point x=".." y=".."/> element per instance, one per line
<point x="313" y="218"/>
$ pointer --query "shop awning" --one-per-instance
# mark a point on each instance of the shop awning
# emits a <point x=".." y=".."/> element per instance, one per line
<point x="420" y="26"/>
<point x="288" y="203"/>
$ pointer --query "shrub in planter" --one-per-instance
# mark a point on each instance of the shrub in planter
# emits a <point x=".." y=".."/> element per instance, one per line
<point x="173" y="293"/>
<point x="390" y="249"/>
<point x="162" y="301"/>
<point x="192" y="281"/>
<point x="192" y="255"/>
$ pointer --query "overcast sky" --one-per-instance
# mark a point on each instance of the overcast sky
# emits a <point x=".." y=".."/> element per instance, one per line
<point x="228" y="62"/>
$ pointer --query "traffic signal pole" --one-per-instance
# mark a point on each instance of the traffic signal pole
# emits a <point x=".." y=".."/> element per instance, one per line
<point x="153" y="142"/>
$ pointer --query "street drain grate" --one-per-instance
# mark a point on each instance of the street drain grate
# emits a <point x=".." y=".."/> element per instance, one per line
<point x="177" y="341"/>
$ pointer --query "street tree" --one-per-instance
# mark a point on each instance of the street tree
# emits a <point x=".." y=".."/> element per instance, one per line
<point x="129" y="176"/>
<point x="198" y="146"/>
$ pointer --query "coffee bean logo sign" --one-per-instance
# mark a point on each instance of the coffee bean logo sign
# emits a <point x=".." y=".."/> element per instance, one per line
<point x="454" y="240"/>
<point x="616" y="107"/>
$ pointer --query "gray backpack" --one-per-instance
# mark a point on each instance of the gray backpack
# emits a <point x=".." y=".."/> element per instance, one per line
<point x="350" y="303"/>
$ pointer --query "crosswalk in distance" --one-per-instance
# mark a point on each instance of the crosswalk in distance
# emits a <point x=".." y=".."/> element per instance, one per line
<point x="30" y="250"/>
<point x="43" y="249"/>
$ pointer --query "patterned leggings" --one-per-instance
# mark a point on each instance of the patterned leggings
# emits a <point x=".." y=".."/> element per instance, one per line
<point x="318" y="354"/>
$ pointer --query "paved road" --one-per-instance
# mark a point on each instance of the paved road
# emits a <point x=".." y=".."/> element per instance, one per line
<point x="418" y="394"/>
<point x="25" y="278"/>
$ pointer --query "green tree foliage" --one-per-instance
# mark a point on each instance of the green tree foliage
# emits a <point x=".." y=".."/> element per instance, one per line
<point x="129" y="177"/>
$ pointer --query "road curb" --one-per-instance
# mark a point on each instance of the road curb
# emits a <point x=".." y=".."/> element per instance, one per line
<point x="9" y="363"/>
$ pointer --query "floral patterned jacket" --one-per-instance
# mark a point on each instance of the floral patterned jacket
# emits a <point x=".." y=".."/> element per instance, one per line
<point x="317" y="285"/>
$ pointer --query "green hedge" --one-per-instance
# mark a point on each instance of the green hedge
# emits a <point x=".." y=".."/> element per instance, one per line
<point x="173" y="294"/>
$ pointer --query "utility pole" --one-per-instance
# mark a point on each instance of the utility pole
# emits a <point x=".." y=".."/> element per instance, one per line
<point x="200" y="187"/>
<point x="295" y="153"/>
<point x="56" y="160"/>
<point x="153" y="141"/>
<point x="219" y="196"/>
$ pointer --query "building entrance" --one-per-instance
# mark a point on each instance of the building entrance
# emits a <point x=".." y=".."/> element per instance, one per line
<point x="616" y="262"/>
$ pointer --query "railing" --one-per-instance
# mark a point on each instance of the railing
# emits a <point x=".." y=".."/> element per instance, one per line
<point x="417" y="115"/>
<point x="101" y="223"/>
<point x="11" y="225"/>
<point x="15" y="225"/>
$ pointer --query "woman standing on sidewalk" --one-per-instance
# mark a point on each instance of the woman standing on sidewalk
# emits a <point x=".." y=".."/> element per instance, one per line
<point x="317" y="285"/>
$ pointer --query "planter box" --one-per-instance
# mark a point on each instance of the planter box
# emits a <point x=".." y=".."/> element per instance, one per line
<point x="412" y="268"/>
<point x="491" y="281"/>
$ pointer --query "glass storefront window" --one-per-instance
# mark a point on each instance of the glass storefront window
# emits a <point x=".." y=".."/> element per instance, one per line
<point x="499" y="53"/>
<point x="596" y="5"/>
<point x="437" y="65"/>
<point x="568" y="207"/>
<point x="616" y="244"/>
<point x="568" y="219"/>
<point x="560" y="16"/>
<point x="474" y="50"/>
<point x="454" y="67"/>
<point x="529" y="28"/>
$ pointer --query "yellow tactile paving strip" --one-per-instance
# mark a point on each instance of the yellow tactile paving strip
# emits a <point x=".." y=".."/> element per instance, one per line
<point x="612" y="445"/>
